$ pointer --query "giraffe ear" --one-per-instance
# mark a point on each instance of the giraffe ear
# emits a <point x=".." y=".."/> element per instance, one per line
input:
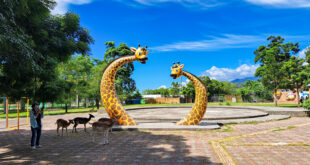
<point x="133" y="49"/>
<point x="147" y="52"/>
<point x="182" y="66"/>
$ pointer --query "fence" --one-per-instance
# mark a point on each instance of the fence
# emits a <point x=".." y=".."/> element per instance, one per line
<point x="13" y="110"/>
<point x="15" y="123"/>
<point x="163" y="100"/>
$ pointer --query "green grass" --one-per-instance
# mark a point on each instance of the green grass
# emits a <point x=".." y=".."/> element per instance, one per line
<point x="46" y="112"/>
<point x="13" y="114"/>
<point x="254" y="104"/>
<point x="283" y="128"/>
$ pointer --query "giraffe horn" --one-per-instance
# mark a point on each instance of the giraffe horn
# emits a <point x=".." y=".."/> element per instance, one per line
<point x="139" y="45"/>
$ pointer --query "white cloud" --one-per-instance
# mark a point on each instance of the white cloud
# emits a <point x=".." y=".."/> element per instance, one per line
<point x="226" y="41"/>
<point x="201" y="4"/>
<point x="282" y="3"/>
<point x="162" y="86"/>
<point x="214" y="43"/>
<point x="184" y="83"/>
<point x="226" y="74"/>
<point x="62" y="5"/>
<point x="302" y="54"/>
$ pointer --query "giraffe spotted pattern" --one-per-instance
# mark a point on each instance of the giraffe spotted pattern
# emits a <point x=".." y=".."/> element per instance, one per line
<point x="108" y="95"/>
<point x="201" y="101"/>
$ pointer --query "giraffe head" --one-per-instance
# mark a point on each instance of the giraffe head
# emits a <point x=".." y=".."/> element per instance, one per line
<point x="140" y="53"/>
<point x="176" y="70"/>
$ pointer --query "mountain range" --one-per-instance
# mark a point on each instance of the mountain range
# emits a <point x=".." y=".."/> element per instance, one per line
<point x="243" y="80"/>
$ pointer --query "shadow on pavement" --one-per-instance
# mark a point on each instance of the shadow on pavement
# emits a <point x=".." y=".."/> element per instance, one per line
<point x="78" y="148"/>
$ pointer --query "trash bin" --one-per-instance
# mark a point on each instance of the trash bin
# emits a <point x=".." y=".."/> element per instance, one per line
<point x="142" y="101"/>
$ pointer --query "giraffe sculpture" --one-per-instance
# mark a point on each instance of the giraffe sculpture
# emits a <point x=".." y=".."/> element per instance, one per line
<point x="201" y="100"/>
<point x="107" y="87"/>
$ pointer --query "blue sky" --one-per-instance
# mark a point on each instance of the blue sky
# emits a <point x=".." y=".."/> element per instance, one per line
<point x="215" y="38"/>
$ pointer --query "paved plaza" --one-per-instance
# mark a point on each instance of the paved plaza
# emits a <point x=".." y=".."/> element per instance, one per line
<point x="275" y="142"/>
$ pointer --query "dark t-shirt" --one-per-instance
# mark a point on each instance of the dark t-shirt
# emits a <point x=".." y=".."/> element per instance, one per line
<point x="39" y="120"/>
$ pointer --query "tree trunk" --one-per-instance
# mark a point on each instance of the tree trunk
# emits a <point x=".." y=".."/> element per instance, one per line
<point x="86" y="102"/>
<point x="77" y="101"/>
<point x="97" y="103"/>
<point x="298" y="101"/>
<point x="66" y="106"/>
<point x="275" y="97"/>
<point x="22" y="105"/>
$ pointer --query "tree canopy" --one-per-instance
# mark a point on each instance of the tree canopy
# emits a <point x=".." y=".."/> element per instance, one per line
<point x="271" y="59"/>
<point x="32" y="43"/>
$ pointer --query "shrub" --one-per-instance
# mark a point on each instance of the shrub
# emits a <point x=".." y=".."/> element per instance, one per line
<point x="306" y="104"/>
<point x="227" y="103"/>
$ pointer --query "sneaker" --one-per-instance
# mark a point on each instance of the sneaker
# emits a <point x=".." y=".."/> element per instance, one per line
<point x="33" y="147"/>
<point x="39" y="146"/>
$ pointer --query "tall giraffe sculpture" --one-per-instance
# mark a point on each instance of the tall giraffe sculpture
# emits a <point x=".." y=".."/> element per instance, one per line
<point x="107" y="87"/>
<point x="201" y="99"/>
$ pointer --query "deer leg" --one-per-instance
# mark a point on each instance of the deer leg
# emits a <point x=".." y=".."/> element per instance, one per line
<point x="107" y="136"/>
<point x="67" y="131"/>
<point x="93" y="134"/>
<point x="62" y="131"/>
<point x="74" y="127"/>
<point x="85" y="127"/>
<point x="57" y="130"/>
<point x="104" y="138"/>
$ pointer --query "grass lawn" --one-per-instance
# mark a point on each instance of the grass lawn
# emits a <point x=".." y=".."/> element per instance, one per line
<point x="13" y="113"/>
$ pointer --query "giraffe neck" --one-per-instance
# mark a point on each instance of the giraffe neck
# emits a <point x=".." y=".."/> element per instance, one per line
<point x="198" y="84"/>
<point x="112" y="68"/>
<point x="200" y="105"/>
<point x="108" y="94"/>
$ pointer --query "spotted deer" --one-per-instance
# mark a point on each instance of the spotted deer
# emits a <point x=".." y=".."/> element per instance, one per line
<point x="64" y="124"/>
<point x="103" y="127"/>
<point x="81" y="120"/>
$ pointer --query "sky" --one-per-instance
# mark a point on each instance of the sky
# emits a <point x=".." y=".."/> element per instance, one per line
<point x="214" y="38"/>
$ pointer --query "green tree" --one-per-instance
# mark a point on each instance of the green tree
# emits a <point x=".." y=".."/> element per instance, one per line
<point x="32" y="43"/>
<point x="188" y="91"/>
<point x="66" y="94"/>
<point x="255" y="91"/>
<point x="95" y="80"/>
<point x="78" y="71"/>
<point x="296" y="73"/>
<point x="307" y="68"/>
<point x="175" y="89"/>
<point x="136" y="95"/>
<point x="271" y="58"/>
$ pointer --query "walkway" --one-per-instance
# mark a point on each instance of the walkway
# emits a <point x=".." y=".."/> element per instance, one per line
<point x="277" y="142"/>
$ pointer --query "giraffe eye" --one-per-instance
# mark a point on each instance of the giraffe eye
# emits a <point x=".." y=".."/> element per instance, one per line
<point x="177" y="70"/>
<point x="140" y="53"/>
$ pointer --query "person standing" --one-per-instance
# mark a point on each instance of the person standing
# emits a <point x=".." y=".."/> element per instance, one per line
<point x="36" y="115"/>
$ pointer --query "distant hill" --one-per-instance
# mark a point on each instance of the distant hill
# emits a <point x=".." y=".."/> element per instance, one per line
<point x="243" y="80"/>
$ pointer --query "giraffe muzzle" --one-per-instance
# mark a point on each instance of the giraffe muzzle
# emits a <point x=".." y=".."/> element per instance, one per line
<point x="174" y="76"/>
<point x="143" y="60"/>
